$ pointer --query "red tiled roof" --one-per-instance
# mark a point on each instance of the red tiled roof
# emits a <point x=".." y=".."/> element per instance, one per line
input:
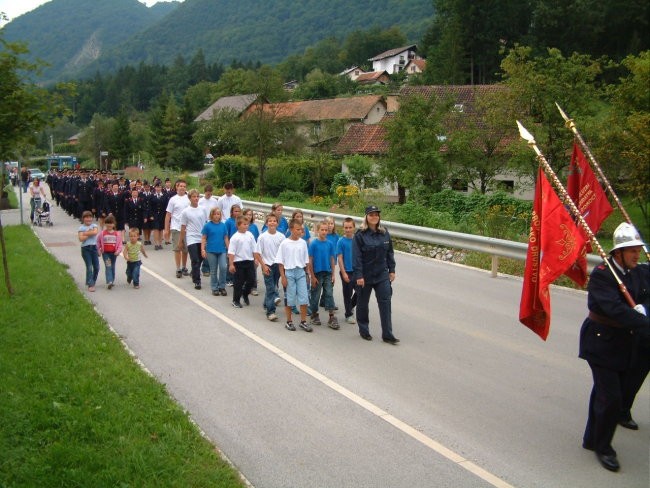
<point x="372" y="76"/>
<point x="353" y="108"/>
<point x="363" y="139"/>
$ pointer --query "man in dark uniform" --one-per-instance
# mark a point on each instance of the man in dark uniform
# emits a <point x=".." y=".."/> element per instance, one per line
<point x="609" y="338"/>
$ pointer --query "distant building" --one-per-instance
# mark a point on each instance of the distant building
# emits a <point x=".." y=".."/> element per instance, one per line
<point x="74" y="140"/>
<point x="373" y="78"/>
<point x="394" y="60"/>
<point x="237" y="103"/>
<point x="415" y="66"/>
<point x="353" y="73"/>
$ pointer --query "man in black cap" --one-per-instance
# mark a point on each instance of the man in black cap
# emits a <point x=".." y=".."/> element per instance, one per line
<point x="374" y="269"/>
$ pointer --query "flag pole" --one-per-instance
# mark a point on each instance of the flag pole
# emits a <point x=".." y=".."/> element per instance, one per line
<point x="528" y="137"/>
<point x="570" y="124"/>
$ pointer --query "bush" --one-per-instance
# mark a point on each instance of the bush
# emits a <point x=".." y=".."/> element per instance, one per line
<point x="291" y="196"/>
<point x="237" y="169"/>
<point x="286" y="175"/>
<point x="412" y="213"/>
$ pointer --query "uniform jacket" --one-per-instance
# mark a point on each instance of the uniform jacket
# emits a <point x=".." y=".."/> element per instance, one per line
<point x="372" y="256"/>
<point x="611" y="346"/>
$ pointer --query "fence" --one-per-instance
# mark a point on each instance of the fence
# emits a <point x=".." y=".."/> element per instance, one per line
<point x="496" y="248"/>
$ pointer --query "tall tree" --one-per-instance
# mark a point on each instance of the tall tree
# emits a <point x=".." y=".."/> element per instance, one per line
<point x="121" y="142"/>
<point x="415" y="136"/>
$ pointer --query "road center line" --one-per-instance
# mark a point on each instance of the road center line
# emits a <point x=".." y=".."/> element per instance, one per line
<point x="363" y="403"/>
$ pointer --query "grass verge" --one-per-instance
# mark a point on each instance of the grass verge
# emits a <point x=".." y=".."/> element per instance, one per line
<point x="76" y="409"/>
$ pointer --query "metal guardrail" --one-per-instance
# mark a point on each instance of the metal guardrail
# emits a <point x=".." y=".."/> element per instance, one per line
<point x="456" y="240"/>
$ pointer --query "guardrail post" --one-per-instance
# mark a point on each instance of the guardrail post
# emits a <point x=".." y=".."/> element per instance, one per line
<point x="495" y="265"/>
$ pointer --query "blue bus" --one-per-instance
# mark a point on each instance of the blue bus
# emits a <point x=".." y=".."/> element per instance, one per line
<point x="61" y="162"/>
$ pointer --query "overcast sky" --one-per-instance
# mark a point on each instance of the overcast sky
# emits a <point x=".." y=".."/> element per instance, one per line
<point x="14" y="8"/>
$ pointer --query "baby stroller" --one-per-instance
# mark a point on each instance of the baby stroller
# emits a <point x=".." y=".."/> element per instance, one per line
<point x="42" y="214"/>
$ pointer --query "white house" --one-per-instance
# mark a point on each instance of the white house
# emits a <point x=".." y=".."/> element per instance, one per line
<point x="394" y="60"/>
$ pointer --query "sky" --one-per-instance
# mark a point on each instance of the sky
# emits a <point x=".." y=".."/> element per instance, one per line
<point x="14" y="8"/>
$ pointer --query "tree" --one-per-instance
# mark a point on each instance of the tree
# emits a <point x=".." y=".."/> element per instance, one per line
<point x="121" y="144"/>
<point x="415" y="136"/>
<point x="360" y="168"/>
<point x="96" y="138"/>
<point x="624" y="144"/>
<point x="536" y="83"/>
<point x="25" y="109"/>
<point x="219" y="135"/>
<point x="478" y="143"/>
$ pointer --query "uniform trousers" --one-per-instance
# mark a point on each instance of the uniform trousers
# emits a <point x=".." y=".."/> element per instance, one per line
<point x="383" y="293"/>
<point x="605" y="405"/>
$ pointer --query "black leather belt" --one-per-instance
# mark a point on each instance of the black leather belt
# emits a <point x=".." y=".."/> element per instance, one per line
<point x="601" y="319"/>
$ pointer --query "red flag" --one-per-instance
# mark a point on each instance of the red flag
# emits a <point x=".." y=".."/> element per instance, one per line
<point x="590" y="198"/>
<point x="554" y="244"/>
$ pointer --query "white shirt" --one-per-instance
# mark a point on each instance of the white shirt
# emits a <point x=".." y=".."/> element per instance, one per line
<point x="268" y="245"/>
<point x="208" y="204"/>
<point x="175" y="207"/>
<point x="193" y="218"/>
<point x="225" y="203"/>
<point x="242" y="246"/>
<point x="293" y="254"/>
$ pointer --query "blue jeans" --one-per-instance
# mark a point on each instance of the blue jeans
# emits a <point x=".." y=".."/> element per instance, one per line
<point x="218" y="262"/>
<point x="296" y="291"/>
<point x="133" y="271"/>
<point x="325" y="284"/>
<point x="91" y="258"/>
<point x="271" y="285"/>
<point x="109" y="266"/>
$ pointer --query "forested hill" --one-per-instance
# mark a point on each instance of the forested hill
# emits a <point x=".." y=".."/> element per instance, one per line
<point x="70" y="34"/>
<point x="226" y="30"/>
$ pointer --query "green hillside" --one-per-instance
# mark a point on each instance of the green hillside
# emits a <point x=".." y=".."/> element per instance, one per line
<point x="265" y="31"/>
<point x="70" y="34"/>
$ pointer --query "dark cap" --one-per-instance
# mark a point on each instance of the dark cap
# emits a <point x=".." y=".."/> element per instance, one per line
<point x="372" y="208"/>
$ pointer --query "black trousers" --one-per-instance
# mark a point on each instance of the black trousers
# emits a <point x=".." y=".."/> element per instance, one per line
<point x="605" y="405"/>
<point x="634" y="379"/>
<point x="244" y="279"/>
<point x="194" y="252"/>
<point x="349" y="295"/>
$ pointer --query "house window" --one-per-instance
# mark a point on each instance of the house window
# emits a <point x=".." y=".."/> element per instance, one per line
<point x="401" y="60"/>
<point x="459" y="184"/>
<point x="506" y="185"/>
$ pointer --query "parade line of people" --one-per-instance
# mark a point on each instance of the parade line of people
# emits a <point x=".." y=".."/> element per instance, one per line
<point x="222" y="242"/>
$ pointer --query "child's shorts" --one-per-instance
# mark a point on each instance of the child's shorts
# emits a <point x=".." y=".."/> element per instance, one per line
<point x="296" y="293"/>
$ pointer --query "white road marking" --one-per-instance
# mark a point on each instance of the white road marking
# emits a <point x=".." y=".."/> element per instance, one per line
<point x="363" y="403"/>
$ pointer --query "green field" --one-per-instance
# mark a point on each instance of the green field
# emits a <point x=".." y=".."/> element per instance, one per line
<point x="76" y="410"/>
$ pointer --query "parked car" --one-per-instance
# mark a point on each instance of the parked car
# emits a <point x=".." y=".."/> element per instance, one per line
<point x="36" y="173"/>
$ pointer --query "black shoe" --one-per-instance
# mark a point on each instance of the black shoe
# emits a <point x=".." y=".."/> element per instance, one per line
<point x="367" y="337"/>
<point x="628" y="424"/>
<point x="237" y="305"/>
<point x="246" y="300"/>
<point x="392" y="341"/>
<point x="185" y="272"/>
<point x="179" y="273"/>
<point x="223" y="292"/>
<point x="609" y="461"/>
<point x="197" y="286"/>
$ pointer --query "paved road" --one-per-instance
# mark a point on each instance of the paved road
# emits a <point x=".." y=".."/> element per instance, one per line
<point x="470" y="398"/>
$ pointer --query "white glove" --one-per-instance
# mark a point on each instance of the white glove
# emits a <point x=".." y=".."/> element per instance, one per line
<point x="641" y="309"/>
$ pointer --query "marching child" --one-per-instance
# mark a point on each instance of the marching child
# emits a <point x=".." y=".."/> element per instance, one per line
<point x="321" y="270"/>
<point x="132" y="251"/>
<point x="109" y="247"/>
<point x="292" y="258"/>
<point x="265" y="253"/>
<point x="87" y="234"/>
<point x="344" y="256"/>
<point x="241" y="261"/>
<point x="214" y="248"/>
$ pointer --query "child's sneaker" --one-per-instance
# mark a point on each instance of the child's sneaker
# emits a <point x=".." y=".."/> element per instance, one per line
<point x="333" y="323"/>
<point x="223" y="292"/>
<point x="315" y="319"/>
<point x="305" y="326"/>
<point x="110" y="285"/>
<point x="185" y="272"/>
<point x="272" y="317"/>
<point x="246" y="300"/>
<point x="179" y="273"/>
<point x="254" y="292"/>
<point x="237" y="305"/>
<point x="277" y="301"/>
<point x="290" y="326"/>
<point x="350" y="320"/>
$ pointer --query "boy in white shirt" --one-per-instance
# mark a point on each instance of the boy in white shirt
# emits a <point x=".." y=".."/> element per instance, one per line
<point x="293" y="258"/>
<point x="175" y="207"/>
<point x="241" y="262"/>
<point x="265" y="253"/>
<point x="192" y="221"/>
<point x="227" y="200"/>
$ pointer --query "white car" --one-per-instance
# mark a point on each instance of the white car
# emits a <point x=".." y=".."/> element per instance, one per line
<point x="36" y="173"/>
